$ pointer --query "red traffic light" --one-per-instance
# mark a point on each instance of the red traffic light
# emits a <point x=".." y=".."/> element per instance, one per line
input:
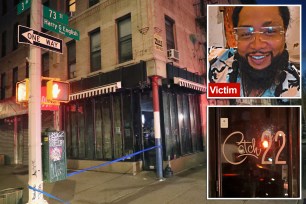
<point x="58" y="91"/>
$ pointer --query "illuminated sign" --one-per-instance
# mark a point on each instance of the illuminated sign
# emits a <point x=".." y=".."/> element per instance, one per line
<point x="245" y="149"/>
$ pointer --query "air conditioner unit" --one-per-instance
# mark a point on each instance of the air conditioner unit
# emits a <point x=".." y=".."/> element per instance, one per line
<point x="173" y="54"/>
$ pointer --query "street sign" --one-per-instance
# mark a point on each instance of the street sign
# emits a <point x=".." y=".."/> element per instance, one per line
<point x="29" y="36"/>
<point x="23" y="5"/>
<point x="61" y="29"/>
<point x="55" y="15"/>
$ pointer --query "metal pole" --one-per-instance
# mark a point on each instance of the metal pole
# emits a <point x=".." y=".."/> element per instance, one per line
<point x="159" y="157"/>
<point x="35" y="161"/>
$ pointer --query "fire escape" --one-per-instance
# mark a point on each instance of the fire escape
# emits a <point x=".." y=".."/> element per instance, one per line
<point x="200" y="7"/>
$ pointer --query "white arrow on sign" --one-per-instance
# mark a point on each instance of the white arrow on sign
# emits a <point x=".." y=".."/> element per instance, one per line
<point x="42" y="40"/>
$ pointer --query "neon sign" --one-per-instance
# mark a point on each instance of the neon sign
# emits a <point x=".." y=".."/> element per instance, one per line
<point x="247" y="149"/>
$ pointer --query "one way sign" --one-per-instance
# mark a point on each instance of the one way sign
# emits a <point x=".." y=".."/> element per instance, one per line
<point x="29" y="36"/>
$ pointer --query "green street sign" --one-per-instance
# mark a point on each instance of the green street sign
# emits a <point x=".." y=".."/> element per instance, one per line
<point x="23" y="5"/>
<point x="55" y="15"/>
<point x="61" y="29"/>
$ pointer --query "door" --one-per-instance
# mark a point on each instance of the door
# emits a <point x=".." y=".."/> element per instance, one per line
<point x="254" y="152"/>
<point x="148" y="138"/>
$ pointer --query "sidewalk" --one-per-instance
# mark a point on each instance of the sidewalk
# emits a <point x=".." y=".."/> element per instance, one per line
<point x="98" y="187"/>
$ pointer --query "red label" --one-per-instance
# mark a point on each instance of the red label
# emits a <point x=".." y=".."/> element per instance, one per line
<point x="44" y="99"/>
<point x="224" y="90"/>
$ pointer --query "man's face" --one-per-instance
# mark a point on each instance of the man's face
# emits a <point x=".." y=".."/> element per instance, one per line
<point x="260" y="50"/>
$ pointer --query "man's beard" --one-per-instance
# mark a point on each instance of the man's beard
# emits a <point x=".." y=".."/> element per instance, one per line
<point x="260" y="80"/>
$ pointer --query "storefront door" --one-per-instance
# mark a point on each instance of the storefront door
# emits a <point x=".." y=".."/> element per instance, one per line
<point x="254" y="152"/>
<point x="148" y="138"/>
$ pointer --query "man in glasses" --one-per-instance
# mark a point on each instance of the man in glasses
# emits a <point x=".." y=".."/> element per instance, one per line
<point x="261" y="62"/>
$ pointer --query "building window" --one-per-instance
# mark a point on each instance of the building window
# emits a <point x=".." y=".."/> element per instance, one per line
<point x="15" y="80"/>
<point x="4" y="7"/>
<point x="95" y="50"/>
<point x="27" y="70"/>
<point x="125" y="39"/>
<point x="3" y="83"/>
<point x="3" y="48"/>
<point x="15" y="33"/>
<point x="71" y="6"/>
<point x="28" y="20"/>
<point x="71" y="51"/>
<point x="46" y="3"/>
<point x="170" y="33"/>
<point x="93" y="2"/>
<point x="16" y="2"/>
<point x="45" y="64"/>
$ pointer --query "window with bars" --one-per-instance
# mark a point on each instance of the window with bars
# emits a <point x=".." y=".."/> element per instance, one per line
<point x="45" y="64"/>
<point x="71" y="52"/>
<point x="95" y="50"/>
<point x="15" y="33"/>
<point x="70" y="6"/>
<point x="169" y="23"/>
<point x="125" y="39"/>
<point x="3" y="47"/>
<point x="4" y="7"/>
<point x="3" y="84"/>
<point x="93" y="2"/>
<point x="15" y="80"/>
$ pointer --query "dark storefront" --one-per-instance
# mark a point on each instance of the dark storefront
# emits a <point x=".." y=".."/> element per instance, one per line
<point x="254" y="152"/>
<point x="119" y="121"/>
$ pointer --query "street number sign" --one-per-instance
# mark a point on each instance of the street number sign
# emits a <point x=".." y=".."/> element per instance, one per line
<point x="23" y="5"/>
<point x="55" y="15"/>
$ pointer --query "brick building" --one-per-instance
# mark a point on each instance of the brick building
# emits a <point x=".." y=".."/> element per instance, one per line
<point x="123" y="44"/>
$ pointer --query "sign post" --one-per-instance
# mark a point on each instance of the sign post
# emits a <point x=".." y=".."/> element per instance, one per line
<point x="35" y="157"/>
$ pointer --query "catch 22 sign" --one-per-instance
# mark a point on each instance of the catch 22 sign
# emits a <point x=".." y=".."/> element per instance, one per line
<point x="251" y="148"/>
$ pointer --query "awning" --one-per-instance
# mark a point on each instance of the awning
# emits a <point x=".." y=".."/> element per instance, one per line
<point x="9" y="108"/>
<point x="109" y="88"/>
<point x="189" y="84"/>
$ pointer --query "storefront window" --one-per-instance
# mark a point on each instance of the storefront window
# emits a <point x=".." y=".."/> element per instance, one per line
<point x="181" y="128"/>
<point x="98" y="130"/>
<point x="107" y="128"/>
<point x="118" y="146"/>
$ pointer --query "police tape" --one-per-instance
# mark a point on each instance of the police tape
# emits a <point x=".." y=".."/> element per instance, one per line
<point x="91" y="168"/>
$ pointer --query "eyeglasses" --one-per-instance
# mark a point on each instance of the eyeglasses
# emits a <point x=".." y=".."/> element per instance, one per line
<point x="269" y="33"/>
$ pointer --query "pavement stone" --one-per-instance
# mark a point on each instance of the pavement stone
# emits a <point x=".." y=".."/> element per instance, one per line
<point x="99" y="187"/>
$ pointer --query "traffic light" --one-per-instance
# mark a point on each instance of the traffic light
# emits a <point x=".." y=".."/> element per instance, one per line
<point x="58" y="91"/>
<point x="22" y="91"/>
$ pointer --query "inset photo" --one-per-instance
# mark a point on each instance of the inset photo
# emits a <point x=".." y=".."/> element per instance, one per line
<point x="254" y="152"/>
<point x="254" y="51"/>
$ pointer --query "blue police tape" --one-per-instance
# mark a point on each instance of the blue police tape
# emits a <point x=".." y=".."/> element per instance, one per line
<point x="90" y="168"/>
<point x="110" y="162"/>
<point x="48" y="195"/>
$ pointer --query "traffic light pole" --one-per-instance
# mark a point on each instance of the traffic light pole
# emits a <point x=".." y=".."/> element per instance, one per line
<point x="35" y="155"/>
